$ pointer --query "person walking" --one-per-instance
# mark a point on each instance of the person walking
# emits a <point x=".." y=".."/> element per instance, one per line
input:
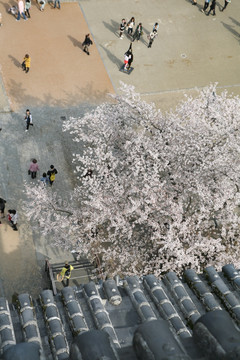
<point x="33" y="168"/>
<point x="130" y="25"/>
<point x="151" y="38"/>
<point x="44" y="179"/>
<point x="2" y="207"/>
<point x="206" y="4"/>
<point x="138" y="32"/>
<point x="212" y="8"/>
<point x="65" y="274"/>
<point x="122" y="28"/>
<point x="21" y="10"/>
<point x="27" y="8"/>
<point x="155" y="27"/>
<point x="55" y="4"/>
<point x="28" y="119"/>
<point x="13" y="218"/>
<point x="0" y="19"/>
<point x="87" y="42"/>
<point x="225" y="4"/>
<point x="42" y="4"/>
<point x="51" y="174"/>
<point x="26" y="63"/>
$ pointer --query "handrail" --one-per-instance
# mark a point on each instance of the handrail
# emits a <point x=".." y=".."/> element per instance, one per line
<point x="49" y="271"/>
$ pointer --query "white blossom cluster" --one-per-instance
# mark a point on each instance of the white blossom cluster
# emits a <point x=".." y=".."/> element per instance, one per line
<point x="155" y="191"/>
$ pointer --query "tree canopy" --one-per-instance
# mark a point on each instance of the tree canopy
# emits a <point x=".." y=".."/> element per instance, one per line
<point x="155" y="191"/>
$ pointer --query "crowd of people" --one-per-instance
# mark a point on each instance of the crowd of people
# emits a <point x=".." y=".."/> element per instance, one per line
<point x="134" y="35"/>
<point x="23" y="8"/>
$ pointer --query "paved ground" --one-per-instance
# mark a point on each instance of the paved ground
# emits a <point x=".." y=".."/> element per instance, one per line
<point x="190" y="51"/>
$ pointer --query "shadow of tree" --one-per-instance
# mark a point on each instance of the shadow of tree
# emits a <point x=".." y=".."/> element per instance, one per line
<point x="87" y="94"/>
<point x="15" y="61"/>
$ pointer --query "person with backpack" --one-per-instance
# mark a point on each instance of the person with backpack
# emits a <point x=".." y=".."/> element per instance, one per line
<point x="65" y="274"/>
<point x="28" y="118"/>
<point x="51" y="174"/>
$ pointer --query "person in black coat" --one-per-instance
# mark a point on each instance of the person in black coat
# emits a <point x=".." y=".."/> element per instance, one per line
<point x="212" y="7"/>
<point x="51" y="174"/>
<point x="87" y="42"/>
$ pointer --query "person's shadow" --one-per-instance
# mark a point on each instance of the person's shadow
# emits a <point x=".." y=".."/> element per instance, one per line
<point x="113" y="27"/>
<point x="7" y="6"/>
<point x="15" y="61"/>
<point x="75" y="42"/>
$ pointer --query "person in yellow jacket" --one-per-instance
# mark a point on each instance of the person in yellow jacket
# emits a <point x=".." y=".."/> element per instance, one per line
<point x="26" y="63"/>
<point x="65" y="273"/>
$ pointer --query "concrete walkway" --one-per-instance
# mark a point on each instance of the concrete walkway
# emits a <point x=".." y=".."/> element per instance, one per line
<point x="191" y="49"/>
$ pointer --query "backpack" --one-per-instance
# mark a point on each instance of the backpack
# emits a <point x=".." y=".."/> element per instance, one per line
<point x="52" y="176"/>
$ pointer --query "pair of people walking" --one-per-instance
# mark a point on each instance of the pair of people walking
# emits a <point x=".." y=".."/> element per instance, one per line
<point x="213" y="6"/>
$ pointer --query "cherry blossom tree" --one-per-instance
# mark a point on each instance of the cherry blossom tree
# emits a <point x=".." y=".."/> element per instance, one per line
<point x="155" y="191"/>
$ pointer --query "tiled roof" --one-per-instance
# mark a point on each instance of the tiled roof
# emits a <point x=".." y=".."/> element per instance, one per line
<point x="196" y="317"/>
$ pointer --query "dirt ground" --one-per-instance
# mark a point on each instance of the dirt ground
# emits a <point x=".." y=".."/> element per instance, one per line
<point x="61" y="74"/>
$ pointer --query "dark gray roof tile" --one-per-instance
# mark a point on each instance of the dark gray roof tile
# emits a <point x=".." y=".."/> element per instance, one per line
<point x="172" y="318"/>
